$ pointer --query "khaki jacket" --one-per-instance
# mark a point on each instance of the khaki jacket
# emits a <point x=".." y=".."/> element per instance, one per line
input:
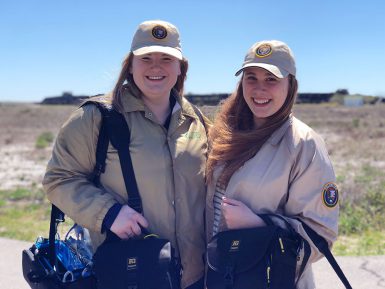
<point x="287" y="176"/>
<point x="169" y="168"/>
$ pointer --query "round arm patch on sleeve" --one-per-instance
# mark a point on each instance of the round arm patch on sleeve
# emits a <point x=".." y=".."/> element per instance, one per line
<point x="330" y="195"/>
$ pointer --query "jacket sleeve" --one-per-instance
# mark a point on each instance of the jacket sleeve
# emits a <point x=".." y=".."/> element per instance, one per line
<point x="73" y="159"/>
<point x="313" y="195"/>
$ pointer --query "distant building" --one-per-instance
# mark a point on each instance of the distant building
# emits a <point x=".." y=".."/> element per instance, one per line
<point x="353" y="100"/>
<point x="314" y="97"/>
<point x="206" y="99"/>
<point x="65" y="98"/>
<point x="214" y="99"/>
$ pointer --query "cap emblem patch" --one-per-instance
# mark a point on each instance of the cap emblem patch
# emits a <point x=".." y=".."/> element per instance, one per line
<point x="263" y="50"/>
<point x="330" y="195"/>
<point x="159" y="32"/>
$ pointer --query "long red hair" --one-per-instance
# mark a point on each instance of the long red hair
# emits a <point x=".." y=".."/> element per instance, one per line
<point x="233" y="137"/>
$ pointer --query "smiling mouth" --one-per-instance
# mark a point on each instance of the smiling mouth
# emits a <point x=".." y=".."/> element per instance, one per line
<point x="155" y="77"/>
<point x="261" y="101"/>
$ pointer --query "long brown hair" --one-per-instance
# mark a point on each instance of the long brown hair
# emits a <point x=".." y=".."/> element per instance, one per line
<point x="233" y="137"/>
<point x="126" y="81"/>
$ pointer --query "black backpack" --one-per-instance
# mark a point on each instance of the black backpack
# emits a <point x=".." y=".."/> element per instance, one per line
<point x="263" y="257"/>
<point x="255" y="258"/>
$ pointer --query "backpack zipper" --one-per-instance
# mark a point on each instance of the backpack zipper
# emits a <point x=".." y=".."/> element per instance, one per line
<point x="268" y="269"/>
<point x="281" y="244"/>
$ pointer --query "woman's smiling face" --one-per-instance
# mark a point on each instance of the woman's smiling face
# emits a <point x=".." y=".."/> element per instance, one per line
<point x="155" y="74"/>
<point x="264" y="93"/>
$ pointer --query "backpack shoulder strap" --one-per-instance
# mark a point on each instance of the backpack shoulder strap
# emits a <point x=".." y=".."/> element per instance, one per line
<point x="114" y="129"/>
<point x="119" y="135"/>
<point x="103" y="141"/>
<point x="323" y="247"/>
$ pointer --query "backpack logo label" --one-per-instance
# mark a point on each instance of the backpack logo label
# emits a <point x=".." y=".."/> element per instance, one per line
<point x="131" y="263"/>
<point x="235" y="245"/>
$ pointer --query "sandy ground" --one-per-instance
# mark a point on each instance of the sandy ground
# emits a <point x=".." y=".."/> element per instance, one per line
<point x="20" y="168"/>
<point x="22" y="165"/>
<point x="362" y="272"/>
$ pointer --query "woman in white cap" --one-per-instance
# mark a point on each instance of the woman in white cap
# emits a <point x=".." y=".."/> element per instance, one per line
<point x="264" y="160"/>
<point x="168" y="146"/>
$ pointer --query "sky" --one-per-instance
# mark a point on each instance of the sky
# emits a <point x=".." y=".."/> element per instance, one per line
<point x="48" y="47"/>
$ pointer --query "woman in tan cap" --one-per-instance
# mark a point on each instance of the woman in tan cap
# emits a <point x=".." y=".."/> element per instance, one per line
<point x="168" y="146"/>
<point x="264" y="160"/>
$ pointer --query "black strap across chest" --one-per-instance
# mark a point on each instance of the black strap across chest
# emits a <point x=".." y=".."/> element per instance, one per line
<point x="114" y="128"/>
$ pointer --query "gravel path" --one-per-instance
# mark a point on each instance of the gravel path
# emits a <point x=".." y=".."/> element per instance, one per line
<point x="362" y="272"/>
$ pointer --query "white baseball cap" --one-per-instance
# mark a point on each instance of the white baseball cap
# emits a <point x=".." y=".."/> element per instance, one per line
<point x="272" y="55"/>
<point x="157" y="36"/>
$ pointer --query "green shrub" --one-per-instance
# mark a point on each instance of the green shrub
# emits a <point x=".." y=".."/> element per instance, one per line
<point x="19" y="194"/>
<point x="356" y="122"/>
<point x="367" y="243"/>
<point x="353" y="220"/>
<point x="44" y="140"/>
<point x="367" y="211"/>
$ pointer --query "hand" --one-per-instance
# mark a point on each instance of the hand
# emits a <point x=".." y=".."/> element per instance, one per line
<point x="127" y="223"/>
<point x="237" y="215"/>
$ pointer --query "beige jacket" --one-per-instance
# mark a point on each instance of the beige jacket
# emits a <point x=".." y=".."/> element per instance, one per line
<point x="288" y="177"/>
<point x="169" y="168"/>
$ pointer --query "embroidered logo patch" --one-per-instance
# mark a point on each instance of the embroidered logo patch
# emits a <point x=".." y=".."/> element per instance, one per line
<point x="263" y="50"/>
<point x="234" y="245"/>
<point x="330" y="195"/>
<point x="131" y="263"/>
<point x="159" y="32"/>
<point x="192" y="135"/>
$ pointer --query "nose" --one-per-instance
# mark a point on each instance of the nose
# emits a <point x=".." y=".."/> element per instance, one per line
<point x="155" y="64"/>
<point x="258" y="86"/>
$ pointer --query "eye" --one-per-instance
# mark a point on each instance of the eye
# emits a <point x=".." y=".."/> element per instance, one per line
<point x="250" y="77"/>
<point x="167" y="59"/>
<point x="271" y="79"/>
<point x="145" y="58"/>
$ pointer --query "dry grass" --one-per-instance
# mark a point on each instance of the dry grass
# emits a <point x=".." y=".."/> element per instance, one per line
<point x="355" y="138"/>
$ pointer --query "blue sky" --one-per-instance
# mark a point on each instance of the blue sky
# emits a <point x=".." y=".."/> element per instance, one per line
<point x="47" y="47"/>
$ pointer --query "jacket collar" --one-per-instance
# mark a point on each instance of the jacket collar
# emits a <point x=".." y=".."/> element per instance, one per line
<point x="276" y="137"/>
<point x="133" y="103"/>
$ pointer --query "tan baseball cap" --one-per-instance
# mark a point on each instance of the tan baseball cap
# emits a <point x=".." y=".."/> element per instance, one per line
<point x="157" y="36"/>
<point x="272" y="55"/>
